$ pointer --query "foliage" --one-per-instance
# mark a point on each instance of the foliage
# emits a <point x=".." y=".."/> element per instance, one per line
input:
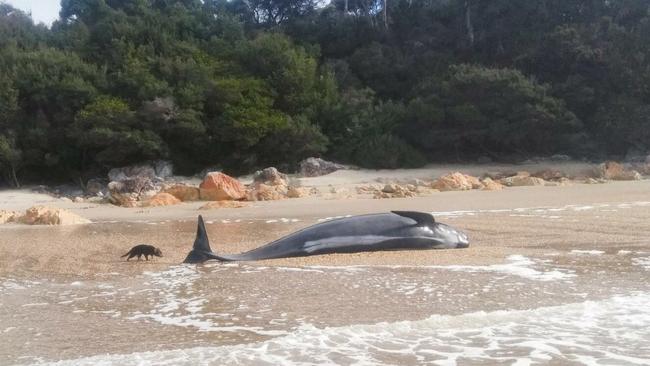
<point x="246" y="84"/>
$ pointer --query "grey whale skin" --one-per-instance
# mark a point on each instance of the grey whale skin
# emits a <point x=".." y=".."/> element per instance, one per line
<point x="397" y="230"/>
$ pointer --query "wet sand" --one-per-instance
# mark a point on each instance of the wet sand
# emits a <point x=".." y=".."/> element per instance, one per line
<point x="495" y="221"/>
<point x="554" y="275"/>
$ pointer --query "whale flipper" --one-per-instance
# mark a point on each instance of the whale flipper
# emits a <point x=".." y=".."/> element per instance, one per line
<point x="420" y="218"/>
<point x="201" y="250"/>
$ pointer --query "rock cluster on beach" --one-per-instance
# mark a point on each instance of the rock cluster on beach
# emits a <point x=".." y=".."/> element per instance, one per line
<point x="153" y="185"/>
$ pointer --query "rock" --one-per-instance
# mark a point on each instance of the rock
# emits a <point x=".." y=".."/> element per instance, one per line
<point x="223" y="204"/>
<point x="128" y="192"/>
<point x="548" y="174"/>
<point x="130" y="172"/>
<point x="184" y="192"/>
<point x="499" y="175"/>
<point x="522" y="173"/>
<point x="316" y="167"/>
<point x="42" y="215"/>
<point x="615" y="171"/>
<point x="96" y="187"/>
<point x="297" y="192"/>
<point x="522" y="180"/>
<point x="412" y="187"/>
<point x="452" y="182"/>
<point x="390" y="188"/>
<point x="8" y="216"/>
<point x="475" y="182"/>
<point x="221" y="187"/>
<point x="78" y="200"/>
<point x="270" y="176"/>
<point x="163" y="169"/>
<point x="490" y="185"/>
<point x="394" y="191"/>
<point x="263" y="192"/>
<point x="161" y="199"/>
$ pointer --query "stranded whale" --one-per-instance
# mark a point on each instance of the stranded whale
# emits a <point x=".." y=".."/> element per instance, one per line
<point x="397" y="230"/>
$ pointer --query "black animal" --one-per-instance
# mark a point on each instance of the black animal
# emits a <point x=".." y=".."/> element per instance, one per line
<point x="143" y="249"/>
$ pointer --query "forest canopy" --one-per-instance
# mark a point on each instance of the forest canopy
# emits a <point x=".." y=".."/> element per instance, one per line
<point x="243" y="84"/>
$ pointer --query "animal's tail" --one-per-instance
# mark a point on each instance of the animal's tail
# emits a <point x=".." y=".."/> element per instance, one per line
<point x="127" y="253"/>
<point x="201" y="250"/>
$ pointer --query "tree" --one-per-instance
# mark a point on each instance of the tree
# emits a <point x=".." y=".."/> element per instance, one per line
<point x="10" y="160"/>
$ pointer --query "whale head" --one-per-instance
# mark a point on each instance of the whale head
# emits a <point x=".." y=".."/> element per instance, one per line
<point x="443" y="236"/>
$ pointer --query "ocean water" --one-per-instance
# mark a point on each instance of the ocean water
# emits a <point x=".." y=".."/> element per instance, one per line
<point x="525" y="311"/>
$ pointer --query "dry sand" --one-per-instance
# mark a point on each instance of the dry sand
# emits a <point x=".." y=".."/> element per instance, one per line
<point x="495" y="222"/>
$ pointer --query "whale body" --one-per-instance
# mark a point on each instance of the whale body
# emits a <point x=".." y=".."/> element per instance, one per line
<point x="397" y="230"/>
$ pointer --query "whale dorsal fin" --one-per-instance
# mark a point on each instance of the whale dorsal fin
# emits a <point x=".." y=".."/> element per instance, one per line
<point x="421" y="218"/>
<point x="201" y="242"/>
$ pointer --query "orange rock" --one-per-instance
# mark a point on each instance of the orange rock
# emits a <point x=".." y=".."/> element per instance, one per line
<point x="162" y="199"/>
<point x="615" y="171"/>
<point x="263" y="192"/>
<point x="42" y="215"/>
<point x="452" y="182"/>
<point x="297" y="192"/>
<point x="221" y="187"/>
<point x="222" y="204"/>
<point x="8" y="216"/>
<point x="490" y="185"/>
<point x="184" y="192"/>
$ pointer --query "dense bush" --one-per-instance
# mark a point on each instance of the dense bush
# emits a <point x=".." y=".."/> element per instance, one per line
<point x="247" y="84"/>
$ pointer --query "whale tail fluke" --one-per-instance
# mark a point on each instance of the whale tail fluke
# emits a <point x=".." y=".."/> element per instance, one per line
<point x="201" y="250"/>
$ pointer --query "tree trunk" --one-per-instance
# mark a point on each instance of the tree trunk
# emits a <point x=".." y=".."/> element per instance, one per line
<point x="468" y="23"/>
<point x="14" y="177"/>
<point x="385" y="14"/>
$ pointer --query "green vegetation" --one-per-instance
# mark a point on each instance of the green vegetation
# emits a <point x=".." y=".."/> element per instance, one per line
<point x="378" y="83"/>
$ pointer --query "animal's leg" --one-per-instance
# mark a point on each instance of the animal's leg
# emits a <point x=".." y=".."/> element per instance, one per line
<point x="139" y="256"/>
<point x="146" y="256"/>
<point x="131" y="255"/>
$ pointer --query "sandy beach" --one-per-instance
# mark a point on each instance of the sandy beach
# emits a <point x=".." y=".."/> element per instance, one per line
<point x="532" y="249"/>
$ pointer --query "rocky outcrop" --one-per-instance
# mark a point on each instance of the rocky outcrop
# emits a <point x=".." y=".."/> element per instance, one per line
<point x="8" y="216"/>
<point x="316" y="167"/>
<point x="297" y="192"/>
<point x="42" y="215"/>
<point x="615" y="171"/>
<point x="161" y="199"/>
<point x="265" y="192"/>
<point x="549" y="174"/>
<point x="217" y="186"/>
<point x="223" y="204"/>
<point x="128" y="192"/>
<point x="522" y="179"/>
<point x="157" y="170"/>
<point x="270" y="176"/>
<point x="453" y="182"/>
<point x="491" y="185"/>
<point x="184" y="192"/>
<point x="396" y="191"/>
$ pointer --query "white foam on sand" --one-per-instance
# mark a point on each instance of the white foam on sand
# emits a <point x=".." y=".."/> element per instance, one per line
<point x="611" y="331"/>
<point x="592" y="252"/>
<point x="516" y="265"/>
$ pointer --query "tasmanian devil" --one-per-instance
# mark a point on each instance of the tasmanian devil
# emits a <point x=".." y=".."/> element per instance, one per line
<point x="143" y="249"/>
